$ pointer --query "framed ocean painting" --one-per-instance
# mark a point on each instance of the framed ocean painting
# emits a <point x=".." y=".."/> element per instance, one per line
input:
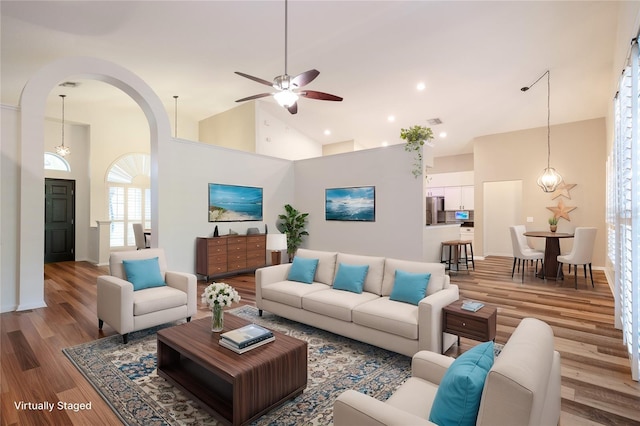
<point x="232" y="203"/>
<point x="351" y="204"/>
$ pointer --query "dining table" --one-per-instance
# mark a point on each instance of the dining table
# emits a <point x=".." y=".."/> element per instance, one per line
<point x="551" y="252"/>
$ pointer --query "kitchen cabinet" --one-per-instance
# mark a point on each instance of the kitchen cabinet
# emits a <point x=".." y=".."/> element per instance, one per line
<point x="459" y="197"/>
<point x="435" y="191"/>
<point x="466" y="233"/>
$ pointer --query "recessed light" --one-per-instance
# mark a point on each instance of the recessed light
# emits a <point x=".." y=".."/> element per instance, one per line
<point x="327" y="132"/>
<point x="391" y="118"/>
<point x="443" y="134"/>
<point x="385" y="143"/>
<point x="421" y="86"/>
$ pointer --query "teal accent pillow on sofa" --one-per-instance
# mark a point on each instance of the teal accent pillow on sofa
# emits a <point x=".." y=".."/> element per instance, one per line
<point x="143" y="273"/>
<point x="457" y="400"/>
<point x="303" y="270"/>
<point x="350" y="277"/>
<point x="409" y="287"/>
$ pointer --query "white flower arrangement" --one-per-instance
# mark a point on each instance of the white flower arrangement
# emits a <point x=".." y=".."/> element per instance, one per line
<point x="221" y="294"/>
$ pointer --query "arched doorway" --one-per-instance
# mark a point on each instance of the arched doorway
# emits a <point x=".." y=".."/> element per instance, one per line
<point x="32" y="109"/>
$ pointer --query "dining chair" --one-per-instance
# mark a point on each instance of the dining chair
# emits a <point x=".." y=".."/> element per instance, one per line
<point x="521" y="250"/>
<point x="581" y="253"/>
<point x="141" y="240"/>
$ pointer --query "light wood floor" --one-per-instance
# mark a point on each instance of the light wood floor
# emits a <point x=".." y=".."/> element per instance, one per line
<point x="596" y="379"/>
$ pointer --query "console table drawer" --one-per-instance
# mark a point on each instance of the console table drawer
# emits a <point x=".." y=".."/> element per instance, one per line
<point x="237" y="248"/>
<point x="466" y="326"/>
<point x="235" y="265"/>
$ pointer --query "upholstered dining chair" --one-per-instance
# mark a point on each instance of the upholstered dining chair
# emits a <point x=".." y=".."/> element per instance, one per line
<point x="581" y="253"/>
<point x="522" y="253"/>
<point x="138" y="233"/>
<point x="140" y="293"/>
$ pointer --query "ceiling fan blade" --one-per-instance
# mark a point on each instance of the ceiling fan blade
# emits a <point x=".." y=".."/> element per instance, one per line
<point x="293" y="109"/>
<point x="258" y="79"/>
<point x="312" y="94"/>
<point x="305" y="78"/>
<point x="248" y="98"/>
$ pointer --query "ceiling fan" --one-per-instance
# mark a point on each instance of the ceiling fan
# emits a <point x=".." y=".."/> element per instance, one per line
<point x="288" y="88"/>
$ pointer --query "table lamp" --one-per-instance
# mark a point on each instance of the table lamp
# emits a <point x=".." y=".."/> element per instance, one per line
<point x="276" y="243"/>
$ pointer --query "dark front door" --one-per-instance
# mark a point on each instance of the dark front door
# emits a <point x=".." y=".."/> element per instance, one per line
<point x="59" y="220"/>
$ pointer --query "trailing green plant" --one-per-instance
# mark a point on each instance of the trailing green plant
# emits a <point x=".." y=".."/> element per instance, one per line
<point x="553" y="220"/>
<point x="415" y="138"/>
<point x="292" y="224"/>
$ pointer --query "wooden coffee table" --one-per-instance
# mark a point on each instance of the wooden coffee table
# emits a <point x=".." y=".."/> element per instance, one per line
<point x="234" y="388"/>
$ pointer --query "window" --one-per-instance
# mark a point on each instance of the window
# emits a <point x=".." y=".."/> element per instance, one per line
<point x="623" y="208"/>
<point x="55" y="162"/>
<point x="129" y="197"/>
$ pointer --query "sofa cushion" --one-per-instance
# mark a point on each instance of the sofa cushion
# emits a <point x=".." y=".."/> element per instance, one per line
<point x="373" y="281"/>
<point x="143" y="273"/>
<point x="156" y="299"/>
<point x="326" y="264"/>
<point x="388" y="316"/>
<point x="337" y="304"/>
<point x="350" y="277"/>
<point x="458" y="398"/>
<point x="437" y="271"/>
<point x="409" y="288"/>
<point x="290" y="292"/>
<point x="302" y="270"/>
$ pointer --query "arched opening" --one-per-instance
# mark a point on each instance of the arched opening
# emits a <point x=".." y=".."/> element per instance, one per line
<point x="32" y="109"/>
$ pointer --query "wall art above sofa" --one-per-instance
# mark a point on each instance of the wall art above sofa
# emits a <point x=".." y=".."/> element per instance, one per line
<point x="351" y="204"/>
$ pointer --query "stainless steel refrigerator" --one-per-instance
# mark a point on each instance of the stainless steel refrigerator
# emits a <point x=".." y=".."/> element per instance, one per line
<point x="435" y="210"/>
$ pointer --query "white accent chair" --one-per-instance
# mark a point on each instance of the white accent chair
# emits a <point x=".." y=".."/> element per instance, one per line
<point x="581" y="253"/>
<point x="522" y="387"/>
<point x="127" y="310"/>
<point x="521" y="250"/>
<point x="141" y="238"/>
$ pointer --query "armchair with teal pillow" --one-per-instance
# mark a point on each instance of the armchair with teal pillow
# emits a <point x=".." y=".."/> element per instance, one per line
<point x="522" y="387"/>
<point x="140" y="293"/>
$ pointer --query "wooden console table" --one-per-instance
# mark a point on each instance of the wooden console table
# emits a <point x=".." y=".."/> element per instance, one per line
<point x="230" y="254"/>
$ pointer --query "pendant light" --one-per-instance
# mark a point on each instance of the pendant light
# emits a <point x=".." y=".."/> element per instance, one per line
<point x="62" y="150"/>
<point x="550" y="179"/>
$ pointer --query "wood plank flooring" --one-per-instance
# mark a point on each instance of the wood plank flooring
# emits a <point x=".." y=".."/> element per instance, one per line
<point x="596" y="381"/>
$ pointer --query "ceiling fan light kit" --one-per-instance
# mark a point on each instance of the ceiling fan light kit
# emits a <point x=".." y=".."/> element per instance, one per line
<point x="287" y="94"/>
<point x="550" y="178"/>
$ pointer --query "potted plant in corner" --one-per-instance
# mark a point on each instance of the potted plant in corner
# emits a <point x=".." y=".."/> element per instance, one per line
<point x="415" y="138"/>
<point x="292" y="223"/>
<point x="553" y="223"/>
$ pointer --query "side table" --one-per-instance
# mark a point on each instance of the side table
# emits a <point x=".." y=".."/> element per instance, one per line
<point x="479" y="325"/>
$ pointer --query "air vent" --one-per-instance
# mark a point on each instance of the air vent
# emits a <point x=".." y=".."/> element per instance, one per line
<point x="434" y="121"/>
<point x="69" y="84"/>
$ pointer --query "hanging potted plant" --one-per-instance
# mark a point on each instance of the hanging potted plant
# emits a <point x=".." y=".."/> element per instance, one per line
<point x="415" y="138"/>
<point x="292" y="223"/>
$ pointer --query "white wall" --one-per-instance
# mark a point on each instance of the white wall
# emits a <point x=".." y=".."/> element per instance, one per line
<point x="397" y="231"/>
<point x="277" y="139"/>
<point x="9" y="206"/>
<point x="185" y="170"/>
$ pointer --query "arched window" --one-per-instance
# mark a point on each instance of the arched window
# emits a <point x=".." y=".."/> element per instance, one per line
<point x="129" y="197"/>
<point x="55" y="162"/>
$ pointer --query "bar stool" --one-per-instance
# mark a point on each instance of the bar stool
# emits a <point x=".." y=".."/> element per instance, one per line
<point x="469" y="244"/>
<point x="454" y="255"/>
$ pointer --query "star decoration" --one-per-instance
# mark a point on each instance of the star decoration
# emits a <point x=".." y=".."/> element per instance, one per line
<point x="561" y="211"/>
<point x="563" y="190"/>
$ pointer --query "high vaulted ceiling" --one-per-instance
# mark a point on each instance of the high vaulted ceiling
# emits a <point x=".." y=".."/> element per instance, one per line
<point x="472" y="56"/>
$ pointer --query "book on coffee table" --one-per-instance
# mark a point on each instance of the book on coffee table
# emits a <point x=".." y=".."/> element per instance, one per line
<point x="228" y="345"/>
<point x="248" y="335"/>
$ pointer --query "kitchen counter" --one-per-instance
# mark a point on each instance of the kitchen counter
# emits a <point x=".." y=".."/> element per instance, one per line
<point x="434" y="235"/>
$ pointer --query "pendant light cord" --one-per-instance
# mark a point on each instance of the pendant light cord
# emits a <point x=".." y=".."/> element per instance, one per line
<point x="63" y="96"/>
<point x="548" y="119"/>
<point x="286" y="7"/>
<point x="176" y="116"/>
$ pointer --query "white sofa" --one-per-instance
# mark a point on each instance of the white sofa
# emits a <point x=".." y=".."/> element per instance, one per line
<point x="522" y="387"/>
<point x="370" y="316"/>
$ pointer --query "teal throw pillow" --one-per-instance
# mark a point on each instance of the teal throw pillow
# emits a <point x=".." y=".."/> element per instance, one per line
<point x="409" y="287"/>
<point x="303" y="270"/>
<point x="457" y="400"/>
<point x="350" y="277"/>
<point x="144" y="273"/>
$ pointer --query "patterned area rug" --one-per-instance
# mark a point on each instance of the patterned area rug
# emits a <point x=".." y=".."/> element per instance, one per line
<point x="126" y="376"/>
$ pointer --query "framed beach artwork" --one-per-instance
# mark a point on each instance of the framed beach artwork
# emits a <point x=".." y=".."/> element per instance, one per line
<point x="351" y="204"/>
<point x="233" y="203"/>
